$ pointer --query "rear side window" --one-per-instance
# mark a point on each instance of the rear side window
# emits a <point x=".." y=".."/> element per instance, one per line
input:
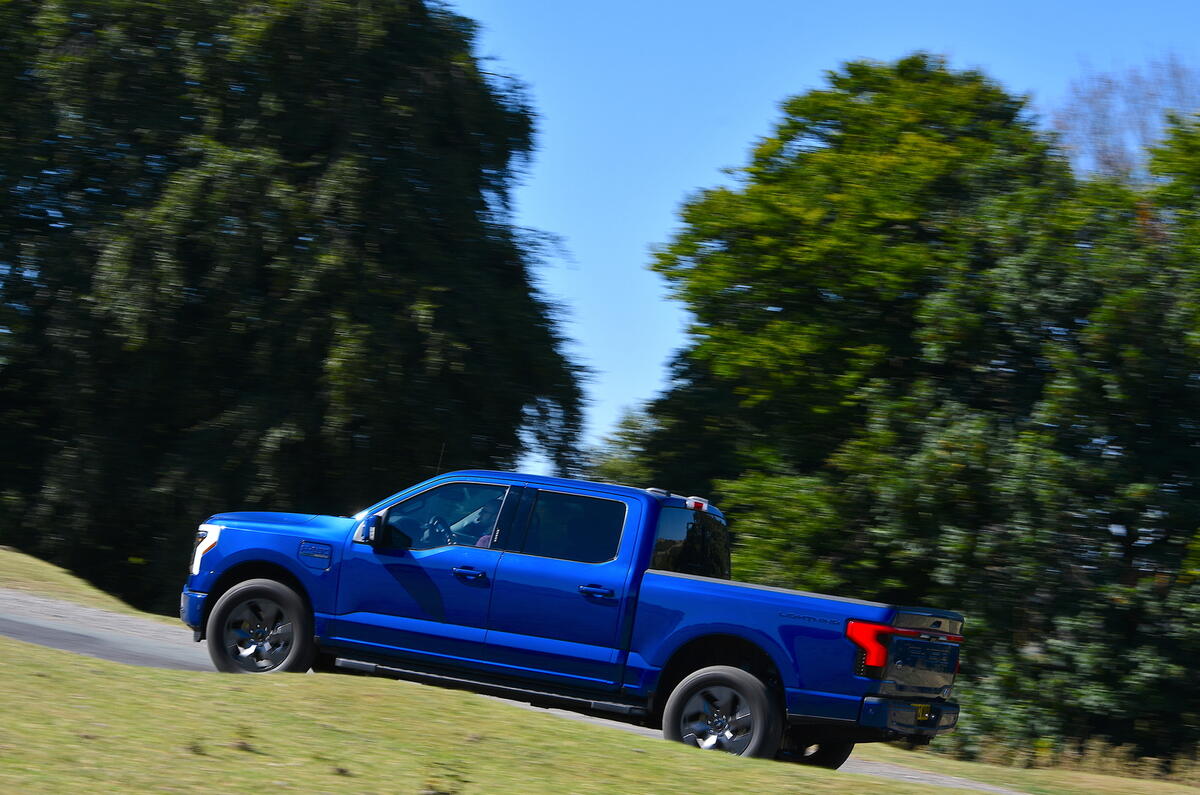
<point x="571" y="527"/>
<point x="691" y="542"/>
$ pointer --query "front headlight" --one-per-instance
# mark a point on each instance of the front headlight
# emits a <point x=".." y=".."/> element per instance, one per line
<point x="206" y="539"/>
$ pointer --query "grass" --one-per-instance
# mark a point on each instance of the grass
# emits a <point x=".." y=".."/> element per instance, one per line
<point x="1033" y="781"/>
<point x="22" y="572"/>
<point x="75" y="722"/>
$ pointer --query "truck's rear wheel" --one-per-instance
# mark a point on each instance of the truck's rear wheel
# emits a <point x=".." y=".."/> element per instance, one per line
<point x="726" y="709"/>
<point x="803" y="746"/>
<point x="260" y="626"/>
<point x="830" y="755"/>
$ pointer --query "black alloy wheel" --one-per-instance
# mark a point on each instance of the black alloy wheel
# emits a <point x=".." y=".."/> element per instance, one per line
<point x="260" y="626"/>
<point x="722" y="708"/>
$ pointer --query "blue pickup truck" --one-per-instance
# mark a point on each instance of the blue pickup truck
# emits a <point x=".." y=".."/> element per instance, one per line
<point x="602" y="598"/>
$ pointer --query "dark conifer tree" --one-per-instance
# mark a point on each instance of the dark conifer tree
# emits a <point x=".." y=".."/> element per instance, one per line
<point x="281" y="272"/>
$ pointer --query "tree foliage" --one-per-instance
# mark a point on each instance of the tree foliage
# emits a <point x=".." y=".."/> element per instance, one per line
<point x="947" y="372"/>
<point x="256" y="255"/>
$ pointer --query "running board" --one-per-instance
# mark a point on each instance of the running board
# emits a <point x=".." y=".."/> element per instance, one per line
<point x="519" y="693"/>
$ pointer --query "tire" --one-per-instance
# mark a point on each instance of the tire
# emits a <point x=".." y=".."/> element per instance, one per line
<point x="726" y="709"/>
<point x="260" y="626"/>
<point x="807" y="749"/>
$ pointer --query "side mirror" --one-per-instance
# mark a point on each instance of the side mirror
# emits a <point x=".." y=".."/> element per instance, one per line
<point x="369" y="530"/>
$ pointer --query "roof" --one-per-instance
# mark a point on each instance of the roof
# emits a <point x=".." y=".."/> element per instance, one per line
<point x="664" y="497"/>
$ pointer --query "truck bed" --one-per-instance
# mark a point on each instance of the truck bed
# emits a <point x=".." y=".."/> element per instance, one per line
<point x="804" y="633"/>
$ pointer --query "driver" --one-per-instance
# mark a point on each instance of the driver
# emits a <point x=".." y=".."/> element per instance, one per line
<point x="477" y="525"/>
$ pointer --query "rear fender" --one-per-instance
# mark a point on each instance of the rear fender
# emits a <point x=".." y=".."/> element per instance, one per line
<point x="720" y="645"/>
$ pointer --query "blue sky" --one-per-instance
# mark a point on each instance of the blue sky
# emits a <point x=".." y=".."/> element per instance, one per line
<point x="641" y="104"/>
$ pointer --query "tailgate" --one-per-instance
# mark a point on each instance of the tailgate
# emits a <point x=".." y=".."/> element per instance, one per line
<point x="914" y="656"/>
<point x="925" y="663"/>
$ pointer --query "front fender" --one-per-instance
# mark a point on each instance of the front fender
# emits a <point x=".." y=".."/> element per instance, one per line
<point x="311" y="562"/>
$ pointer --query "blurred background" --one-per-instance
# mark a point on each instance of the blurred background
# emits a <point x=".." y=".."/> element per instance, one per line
<point x="926" y="338"/>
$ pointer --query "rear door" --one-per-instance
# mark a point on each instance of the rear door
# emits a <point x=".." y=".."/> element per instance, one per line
<point x="560" y="597"/>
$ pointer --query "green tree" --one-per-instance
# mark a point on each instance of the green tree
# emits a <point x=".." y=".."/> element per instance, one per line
<point x="942" y="371"/>
<point x="285" y="273"/>
<point x="24" y="126"/>
<point x="807" y="280"/>
<point x="684" y="440"/>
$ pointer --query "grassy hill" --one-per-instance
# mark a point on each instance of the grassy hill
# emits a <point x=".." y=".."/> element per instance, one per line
<point x="77" y="722"/>
<point x="1035" y="782"/>
<point x="22" y="572"/>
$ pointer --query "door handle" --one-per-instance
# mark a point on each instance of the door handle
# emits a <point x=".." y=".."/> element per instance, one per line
<point x="595" y="590"/>
<point x="466" y="572"/>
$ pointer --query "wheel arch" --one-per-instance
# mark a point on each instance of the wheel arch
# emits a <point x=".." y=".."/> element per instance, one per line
<point x="718" y="648"/>
<point x="252" y="570"/>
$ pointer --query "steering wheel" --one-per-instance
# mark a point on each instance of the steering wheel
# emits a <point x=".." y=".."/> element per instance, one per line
<point x="436" y="528"/>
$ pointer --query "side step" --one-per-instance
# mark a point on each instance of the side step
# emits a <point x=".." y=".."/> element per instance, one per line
<point x="538" y="697"/>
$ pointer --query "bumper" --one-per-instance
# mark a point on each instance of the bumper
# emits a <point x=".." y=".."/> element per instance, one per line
<point x="913" y="719"/>
<point x="191" y="608"/>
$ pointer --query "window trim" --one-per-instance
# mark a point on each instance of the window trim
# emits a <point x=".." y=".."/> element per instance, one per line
<point x="528" y="516"/>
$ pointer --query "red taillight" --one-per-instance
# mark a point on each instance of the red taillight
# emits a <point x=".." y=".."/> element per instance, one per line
<point x="869" y="637"/>
<point x="872" y="639"/>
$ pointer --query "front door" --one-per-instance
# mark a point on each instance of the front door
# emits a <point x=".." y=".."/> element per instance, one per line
<point x="424" y="588"/>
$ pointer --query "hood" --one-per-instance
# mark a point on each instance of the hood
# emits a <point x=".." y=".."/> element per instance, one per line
<point x="303" y="525"/>
<point x="262" y="517"/>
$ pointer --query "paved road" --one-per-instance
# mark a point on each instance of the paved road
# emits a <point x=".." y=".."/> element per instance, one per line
<point x="99" y="633"/>
<point x="142" y="641"/>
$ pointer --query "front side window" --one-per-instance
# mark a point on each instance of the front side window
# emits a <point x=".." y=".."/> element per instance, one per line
<point x="572" y="527"/>
<point x="691" y="542"/>
<point x="456" y="513"/>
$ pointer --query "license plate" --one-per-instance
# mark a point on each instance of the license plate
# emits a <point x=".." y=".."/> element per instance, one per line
<point x="922" y="712"/>
<point x="924" y="656"/>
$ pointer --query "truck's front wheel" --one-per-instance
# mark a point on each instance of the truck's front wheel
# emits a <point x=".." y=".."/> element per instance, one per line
<point x="260" y="626"/>
<point x="726" y="709"/>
